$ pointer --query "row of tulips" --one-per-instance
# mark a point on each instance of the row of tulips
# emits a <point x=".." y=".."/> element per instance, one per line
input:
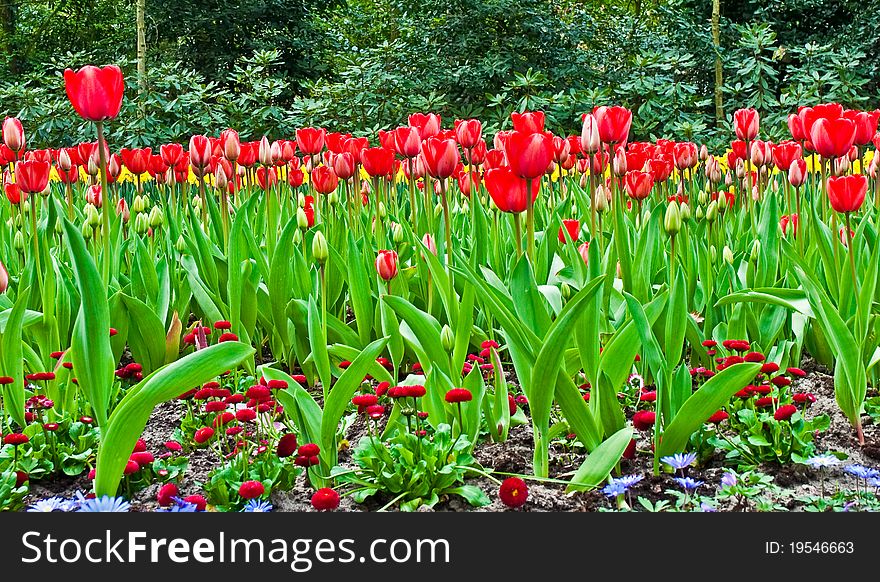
<point x="338" y="264"/>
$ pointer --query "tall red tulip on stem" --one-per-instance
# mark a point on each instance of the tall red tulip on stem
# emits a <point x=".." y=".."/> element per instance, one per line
<point x="32" y="177"/>
<point x="378" y="163"/>
<point x="511" y="194"/>
<point x="441" y="158"/>
<point x="847" y="194"/>
<point x="96" y="95"/>
<point x="529" y="156"/>
<point x="408" y="143"/>
<point x="746" y="123"/>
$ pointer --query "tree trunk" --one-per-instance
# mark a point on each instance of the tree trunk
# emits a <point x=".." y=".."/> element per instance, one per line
<point x="7" y="32"/>
<point x="719" y="83"/>
<point x="141" y="50"/>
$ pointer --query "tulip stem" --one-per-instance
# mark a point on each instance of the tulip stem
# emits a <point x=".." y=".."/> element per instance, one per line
<point x="447" y="227"/>
<point x="517" y="230"/>
<point x="106" y="204"/>
<point x="530" y="222"/>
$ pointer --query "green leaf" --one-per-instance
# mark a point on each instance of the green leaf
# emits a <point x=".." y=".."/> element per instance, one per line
<point x="91" y="354"/>
<point x="711" y="396"/>
<point x="599" y="463"/>
<point x="130" y="417"/>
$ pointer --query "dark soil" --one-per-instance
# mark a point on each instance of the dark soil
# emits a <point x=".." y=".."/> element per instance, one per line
<point x="514" y="456"/>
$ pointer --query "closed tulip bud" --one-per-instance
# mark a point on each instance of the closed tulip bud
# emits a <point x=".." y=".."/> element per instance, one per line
<point x="59" y="228"/>
<point x="713" y="254"/>
<point x="672" y="219"/>
<point x="265" y="152"/>
<point x="601" y="199"/>
<point x="740" y="169"/>
<point x="698" y="214"/>
<point x="18" y="241"/>
<point x="685" y="211"/>
<point x="619" y="164"/>
<point x="756" y="251"/>
<point x="220" y="180"/>
<point x="122" y="209"/>
<point x="386" y="264"/>
<point x="86" y="231"/>
<point x="302" y="220"/>
<point x="727" y="255"/>
<point x="396" y="233"/>
<point x="138" y="204"/>
<point x="429" y="243"/>
<point x="841" y="166"/>
<point x="141" y="223"/>
<point x="333" y="198"/>
<point x="565" y="290"/>
<point x="728" y="179"/>
<point x="13" y="134"/>
<point x="590" y="142"/>
<point x="438" y="210"/>
<point x="447" y="338"/>
<point x="92" y="216"/>
<point x="92" y="168"/>
<point x="704" y="153"/>
<point x="712" y="211"/>
<point x="703" y="197"/>
<point x="64" y="161"/>
<point x="157" y="219"/>
<point x="382" y="211"/>
<point x="722" y="204"/>
<point x="319" y="248"/>
<point x="180" y="245"/>
<point x="297" y="237"/>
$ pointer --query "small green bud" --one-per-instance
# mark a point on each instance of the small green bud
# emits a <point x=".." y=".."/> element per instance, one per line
<point x="756" y="251"/>
<point x="703" y="197"/>
<point x="319" y="248"/>
<point x="699" y="213"/>
<point x="565" y="290"/>
<point x="18" y="241"/>
<point x="685" y="212"/>
<point x="447" y="338"/>
<point x="86" y="231"/>
<point x="712" y="211"/>
<point x="713" y="254"/>
<point x="302" y="220"/>
<point x="727" y="254"/>
<point x="396" y="233"/>
<point x="157" y="219"/>
<point x="180" y="245"/>
<point x="672" y="219"/>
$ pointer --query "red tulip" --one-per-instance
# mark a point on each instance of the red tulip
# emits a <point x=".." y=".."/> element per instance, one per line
<point x="810" y="115"/>
<point x="427" y="124"/>
<point x="95" y="93"/>
<point x="465" y="179"/>
<point x="171" y="153"/>
<point x="833" y="138"/>
<point x="570" y="226"/>
<point x="785" y="153"/>
<point x="529" y="154"/>
<point x="441" y="157"/>
<point x="93" y="196"/>
<point x="561" y="150"/>
<point x="494" y="159"/>
<point x="32" y="176"/>
<point x="267" y="177"/>
<point x="685" y="155"/>
<point x="797" y="173"/>
<point x="796" y="127"/>
<point x="137" y="160"/>
<point x="355" y="146"/>
<point x="847" y="193"/>
<point x="590" y="140"/>
<point x="231" y="144"/>
<point x="378" y="162"/>
<point x="468" y="132"/>
<point x="476" y="155"/>
<point x="789" y="220"/>
<point x="406" y="141"/>
<point x="199" y="151"/>
<point x="335" y="141"/>
<point x="386" y="264"/>
<point x="746" y="122"/>
<point x="508" y="190"/>
<point x="248" y="155"/>
<point x="660" y="169"/>
<point x="866" y="124"/>
<point x="70" y="176"/>
<point x="528" y="121"/>
<point x="343" y="165"/>
<point x="613" y="123"/>
<point x="12" y="191"/>
<point x="639" y="184"/>
<point x="310" y="140"/>
<point x="13" y="134"/>
<point x="295" y="177"/>
<point x="324" y="180"/>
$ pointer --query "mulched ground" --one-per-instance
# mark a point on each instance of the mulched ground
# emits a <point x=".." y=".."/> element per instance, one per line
<point x="515" y="456"/>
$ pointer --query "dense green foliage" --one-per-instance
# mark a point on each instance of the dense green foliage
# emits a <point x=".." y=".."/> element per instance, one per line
<point x="366" y="64"/>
